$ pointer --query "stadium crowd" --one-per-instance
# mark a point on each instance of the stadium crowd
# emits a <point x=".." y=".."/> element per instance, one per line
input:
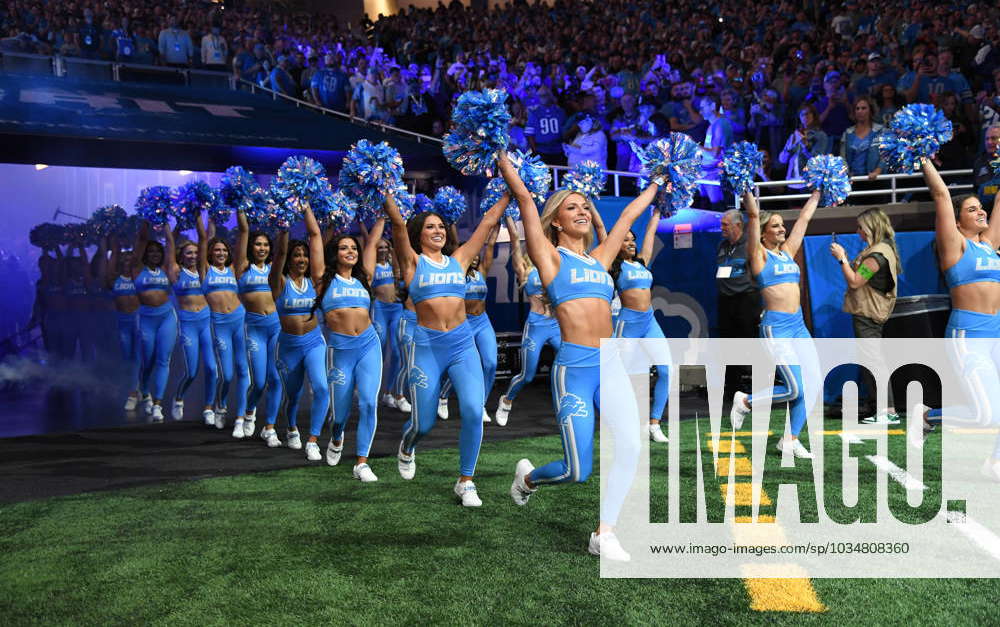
<point x="588" y="78"/>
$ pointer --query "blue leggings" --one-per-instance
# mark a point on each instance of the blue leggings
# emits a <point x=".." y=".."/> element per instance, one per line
<point x="407" y="322"/>
<point x="128" y="341"/>
<point x="262" y="344"/>
<point x="355" y="361"/>
<point x="196" y="340"/>
<point x="539" y="330"/>
<point x="641" y="324"/>
<point x="778" y="325"/>
<point x="297" y="356"/>
<point x="385" y="317"/>
<point x="576" y="386"/>
<point x="436" y="354"/>
<point x="230" y="350"/>
<point x="486" y="346"/>
<point x="158" y="331"/>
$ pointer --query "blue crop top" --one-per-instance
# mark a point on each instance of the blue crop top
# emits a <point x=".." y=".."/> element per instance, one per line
<point x="579" y="277"/>
<point x="433" y="280"/>
<point x="634" y="276"/>
<point x="383" y="275"/>
<point x="295" y="301"/>
<point x="255" y="280"/>
<point x="979" y="263"/>
<point x="475" y="287"/>
<point x="533" y="286"/>
<point x="779" y="267"/>
<point x="188" y="283"/>
<point x="151" y="280"/>
<point x="216" y="281"/>
<point x="124" y="286"/>
<point x="344" y="293"/>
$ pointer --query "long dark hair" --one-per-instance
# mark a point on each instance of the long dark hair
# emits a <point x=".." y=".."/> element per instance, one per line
<point x="145" y="254"/>
<point x="292" y="245"/>
<point x="330" y="256"/>
<point x="616" y="266"/>
<point x="416" y="225"/>
<point x="253" y="238"/>
<point x="229" y="251"/>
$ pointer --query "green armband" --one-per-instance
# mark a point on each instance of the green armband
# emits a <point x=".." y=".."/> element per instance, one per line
<point x="865" y="272"/>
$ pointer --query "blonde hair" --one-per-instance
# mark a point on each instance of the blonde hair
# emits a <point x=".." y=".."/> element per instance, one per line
<point x="765" y="217"/>
<point x="879" y="229"/>
<point x="552" y="208"/>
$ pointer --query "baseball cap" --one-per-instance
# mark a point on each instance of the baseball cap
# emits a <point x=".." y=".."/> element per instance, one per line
<point x="874" y="56"/>
<point x="978" y="32"/>
<point x="832" y="75"/>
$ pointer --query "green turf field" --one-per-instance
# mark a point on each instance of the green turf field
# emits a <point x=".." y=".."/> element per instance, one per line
<point x="314" y="546"/>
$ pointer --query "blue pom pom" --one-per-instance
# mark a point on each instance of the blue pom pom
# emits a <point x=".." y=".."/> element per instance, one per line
<point x="154" y="204"/>
<point x="46" y="235"/>
<point x="535" y="175"/>
<point x="740" y="163"/>
<point x="915" y="132"/>
<point x="828" y="174"/>
<point x="194" y="198"/>
<point x="674" y="163"/>
<point x="481" y="122"/>
<point x="107" y="220"/>
<point x="279" y="216"/>
<point x="239" y="191"/>
<point x="422" y="203"/>
<point x="450" y="203"/>
<point x="495" y="189"/>
<point x="369" y="172"/>
<point x="339" y="213"/>
<point x="586" y="178"/>
<point x="302" y="180"/>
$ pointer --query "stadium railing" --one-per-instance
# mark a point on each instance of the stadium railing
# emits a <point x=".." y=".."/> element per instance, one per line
<point x="95" y="69"/>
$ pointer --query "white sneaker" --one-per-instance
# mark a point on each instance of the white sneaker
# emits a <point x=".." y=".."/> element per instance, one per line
<point x="739" y="410"/>
<point x="157" y="413"/>
<point x="209" y="417"/>
<point x="220" y="418"/>
<point x="238" y="429"/>
<point x="797" y="449"/>
<point x="486" y="416"/>
<point x="443" y="409"/>
<point x="607" y="546"/>
<point x="991" y="469"/>
<point x="249" y="426"/>
<point x="406" y="464"/>
<point x="656" y="433"/>
<point x="389" y="400"/>
<point x="293" y="441"/>
<point x="333" y="453"/>
<point x="882" y="418"/>
<point x="312" y="452"/>
<point x="252" y="415"/>
<point x="403" y="405"/>
<point x="466" y="490"/>
<point x="131" y="402"/>
<point x="503" y="411"/>
<point x="270" y="436"/>
<point x="519" y="490"/>
<point x="147" y="404"/>
<point x="177" y="411"/>
<point x="916" y="437"/>
<point x="364" y="473"/>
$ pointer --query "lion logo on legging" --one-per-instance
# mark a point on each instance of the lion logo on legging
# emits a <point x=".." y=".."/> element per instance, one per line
<point x="529" y="344"/>
<point x="252" y="345"/>
<point x="337" y="377"/>
<point x="417" y="377"/>
<point x="220" y="343"/>
<point x="571" y="406"/>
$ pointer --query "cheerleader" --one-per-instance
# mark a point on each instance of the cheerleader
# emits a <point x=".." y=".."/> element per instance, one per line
<point x="443" y="340"/>
<point x="634" y="283"/>
<point x="119" y="281"/>
<point x="476" y="292"/>
<point x="77" y="302"/>
<point x="540" y="328"/>
<point x="355" y="350"/>
<point x="157" y="318"/>
<point x="404" y="335"/>
<point x="228" y="315"/>
<point x="195" y="328"/>
<point x="253" y="267"/>
<point x="386" y="312"/>
<point x="301" y="346"/>
<point x="580" y="290"/>
<point x="772" y="261"/>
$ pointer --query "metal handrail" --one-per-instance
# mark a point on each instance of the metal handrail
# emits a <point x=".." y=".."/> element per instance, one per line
<point x="58" y="65"/>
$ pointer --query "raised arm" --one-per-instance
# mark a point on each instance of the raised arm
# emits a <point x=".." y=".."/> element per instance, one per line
<point x="487" y="259"/>
<point x="599" y="228"/>
<point x="794" y="239"/>
<point x="370" y="254"/>
<point x="199" y="228"/>
<point x="111" y="267"/>
<point x="275" y="278"/>
<point x="607" y="250"/>
<point x="516" y="259"/>
<point x="240" y="263"/>
<point x="400" y="238"/>
<point x="755" y="253"/>
<point x="993" y="231"/>
<point x="649" y="238"/>
<point x="465" y="253"/>
<point x="950" y="242"/>
<point x="541" y="251"/>
<point x="170" y="256"/>
<point x="99" y="263"/>
<point x="314" y="235"/>
<point x="138" y="250"/>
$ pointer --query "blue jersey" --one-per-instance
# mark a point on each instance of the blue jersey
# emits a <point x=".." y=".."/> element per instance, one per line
<point x="296" y="300"/>
<point x="124" y="286"/>
<point x="188" y="283"/>
<point x="580" y="276"/>
<point x="634" y="276"/>
<point x="345" y="293"/>
<point x="533" y="286"/>
<point x="475" y="287"/>
<point x="779" y="267"/>
<point x="978" y="264"/>
<point x="545" y="123"/>
<point x="151" y="280"/>
<point x="383" y="275"/>
<point x="255" y="279"/>
<point x="124" y="43"/>
<point x="331" y="85"/>
<point x="433" y="280"/>
<point x="219" y="281"/>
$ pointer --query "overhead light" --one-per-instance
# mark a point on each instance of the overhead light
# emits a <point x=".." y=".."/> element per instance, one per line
<point x="40" y="166"/>
<point x="184" y="172"/>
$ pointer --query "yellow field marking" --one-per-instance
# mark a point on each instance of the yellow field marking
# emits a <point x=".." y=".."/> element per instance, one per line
<point x="780" y="588"/>
<point x="761" y="518"/>
<point x="727" y="446"/>
<point x="741" y="466"/>
<point x="743" y="494"/>
<point x="739" y="434"/>
<point x="868" y="433"/>
<point x="972" y="431"/>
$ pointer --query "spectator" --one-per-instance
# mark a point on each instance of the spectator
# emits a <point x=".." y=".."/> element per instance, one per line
<point x="956" y="154"/>
<point x="681" y="112"/>
<point x="90" y="36"/>
<point x="124" y="42"/>
<point x="718" y="137"/>
<point x="889" y="102"/>
<point x="859" y="143"/>
<point x="214" y="50"/>
<point x="281" y="80"/>
<point x="989" y="102"/>
<point x="738" y="298"/>
<point x="544" y="128"/>
<point x="368" y="98"/>
<point x="625" y="129"/>
<point x="985" y="180"/>
<point x="805" y="142"/>
<point x="834" y="107"/>
<point x="766" y="126"/>
<point x="518" y="140"/>
<point x="145" y="47"/>
<point x="584" y="134"/>
<point x="733" y="111"/>
<point x="876" y="74"/>
<point x="395" y="96"/>
<point x="330" y="85"/>
<point x="309" y="69"/>
<point x="175" y="45"/>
